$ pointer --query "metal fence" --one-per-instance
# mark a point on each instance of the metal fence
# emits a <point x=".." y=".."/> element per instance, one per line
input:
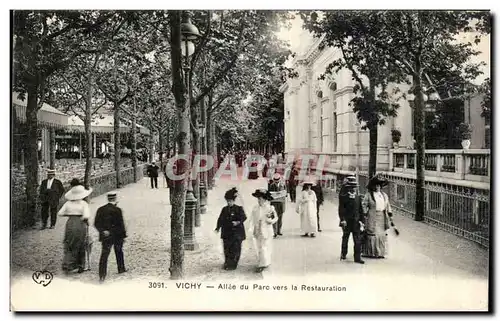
<point x="460" y="210"/>
<point x="100" y="185"/>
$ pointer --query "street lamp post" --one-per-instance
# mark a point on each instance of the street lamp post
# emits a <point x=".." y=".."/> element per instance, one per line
<point x="189" y="34"/>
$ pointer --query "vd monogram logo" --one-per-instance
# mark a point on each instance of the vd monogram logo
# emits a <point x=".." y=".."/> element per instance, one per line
<point x="42" y="277"/>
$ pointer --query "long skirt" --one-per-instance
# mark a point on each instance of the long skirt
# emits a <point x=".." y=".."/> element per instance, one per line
<point x="264" y="248"/>
<point x="74" y="244"/>
<point x="308" y="218"/>
<point x="375" y="243"/>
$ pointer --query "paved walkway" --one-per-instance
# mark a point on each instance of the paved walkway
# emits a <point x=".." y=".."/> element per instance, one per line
<point x="426" y="268"/>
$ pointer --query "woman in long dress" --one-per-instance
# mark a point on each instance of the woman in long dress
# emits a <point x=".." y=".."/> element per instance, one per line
<point x="262" y="219"/>
<point x="306" y="207"/>
<point x="378" y="211"/>
<point x="78" y="212"/>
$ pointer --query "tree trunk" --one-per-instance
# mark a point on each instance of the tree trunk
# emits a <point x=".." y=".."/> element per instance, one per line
<point x="116" y="129"/>
<point x="88" y="134"/>
<point x="151" y="145"/>
<point x="134" y="141"/>
<point x="372" y="162"/>
<point x="52" y="148"/>
<point x="203" y="116"/>
<point x="210" y="146"/>
<point x="419" y="145"/>
<point x="182" y="112"/>
<point x="31" y="162"/>
<point x="196" y="151"/>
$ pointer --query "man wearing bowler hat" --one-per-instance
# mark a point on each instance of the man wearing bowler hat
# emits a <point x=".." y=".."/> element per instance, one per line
<point x="109" y="223"/>
<point x="351" y="217"/>
<point x="51" y="191"/>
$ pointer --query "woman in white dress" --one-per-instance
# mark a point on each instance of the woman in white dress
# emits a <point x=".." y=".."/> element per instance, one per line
<point x="262" y="219"/>
<point x="306" y="207"/>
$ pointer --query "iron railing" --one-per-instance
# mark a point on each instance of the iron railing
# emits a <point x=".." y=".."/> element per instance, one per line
<point x="460" y="210"/>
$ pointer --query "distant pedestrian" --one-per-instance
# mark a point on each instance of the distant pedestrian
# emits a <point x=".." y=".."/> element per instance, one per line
<point x="292" y="182"/>
<point x="378" y="213"/>
<point x="109" y="222"/>
<point x="319" y="199"/>
<point x="152" y="172"/>
<point x="278" y="190"/>
<point x="231" y="223"/>
<point x="306" y="207"/>
<point x="76" y="231"/>
<point x="262" y="219"/>
<point x="351" y="217"/>
<point x="51" y="191"/>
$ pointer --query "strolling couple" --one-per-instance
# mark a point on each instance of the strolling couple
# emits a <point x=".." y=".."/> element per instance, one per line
<point x="77" y="240"/>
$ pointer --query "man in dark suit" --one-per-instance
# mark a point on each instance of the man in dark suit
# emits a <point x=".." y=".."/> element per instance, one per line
<point x="51" y="191"/>
<point x="233" y="230"/>
<point x="109" y="223"/>
<point x="351" y="217"/>
<point x="292" y="182"/>
<point x="153" y="174"/>
<point x="278" y="191"/>
<point x="319" y="199"/>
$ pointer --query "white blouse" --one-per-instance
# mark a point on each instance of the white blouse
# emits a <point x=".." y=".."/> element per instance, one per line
<point x="379" y="201"/>
<point x="75" y="208"/>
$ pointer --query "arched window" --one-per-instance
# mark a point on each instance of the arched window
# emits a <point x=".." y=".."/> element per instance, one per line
<point x="319" y="93"/>
<point x="333" y="86"/>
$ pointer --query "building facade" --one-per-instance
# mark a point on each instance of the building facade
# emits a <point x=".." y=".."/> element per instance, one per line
<point x="319" y="119"/>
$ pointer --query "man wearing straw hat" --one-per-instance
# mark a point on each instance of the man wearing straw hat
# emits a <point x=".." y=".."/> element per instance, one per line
<point x="51" y="190"/>
<point x="351" y="217"/>
<point x="109" y="223"/>
<point x="278" y="191"/>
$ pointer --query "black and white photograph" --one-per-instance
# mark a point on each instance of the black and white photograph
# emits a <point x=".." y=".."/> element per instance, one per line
<point x="250" y="160"/>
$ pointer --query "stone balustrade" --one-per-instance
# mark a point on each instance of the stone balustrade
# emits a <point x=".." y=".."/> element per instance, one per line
<point x="458" y="164"/>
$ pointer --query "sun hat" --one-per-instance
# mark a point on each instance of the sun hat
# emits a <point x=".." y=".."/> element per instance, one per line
<point x="350" y="181"/>
<point x="111" y="196"/>
<point x="231" y="194"/>
<point x="264" y="193"/>
<point x="276" y="176"/>
<point x="77" y="193"/>
<point x="377" y="180"/>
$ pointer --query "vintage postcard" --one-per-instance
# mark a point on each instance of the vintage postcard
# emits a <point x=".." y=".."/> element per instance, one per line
<point x="250" y="160"/>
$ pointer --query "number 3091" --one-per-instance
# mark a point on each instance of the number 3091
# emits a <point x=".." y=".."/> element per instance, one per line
<point x="156" y="285"/>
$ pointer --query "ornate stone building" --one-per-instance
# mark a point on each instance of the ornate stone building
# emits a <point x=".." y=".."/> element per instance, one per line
<point x="319" y="119"/>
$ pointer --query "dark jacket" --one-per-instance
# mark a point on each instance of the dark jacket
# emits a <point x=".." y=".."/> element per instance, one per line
<point x="350" y="208"/>
<point x="228" y="215"/>
<point x="319" y="194"/>
<point x="109" y="218"/>
<point x="52" y="195"/>
<point x="153" y="170"/>
<point x="292" y="179"/>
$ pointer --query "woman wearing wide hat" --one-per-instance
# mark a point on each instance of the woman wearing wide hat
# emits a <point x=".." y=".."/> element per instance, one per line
<point x="263" y="217"/>
<point x="75" y="234"/>
<point x="306" y="207"/>
<point x="230" y="223"/>
<point x="377" y="208"/>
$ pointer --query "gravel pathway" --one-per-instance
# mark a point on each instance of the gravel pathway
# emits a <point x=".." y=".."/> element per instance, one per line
<point x="147" y="218"/>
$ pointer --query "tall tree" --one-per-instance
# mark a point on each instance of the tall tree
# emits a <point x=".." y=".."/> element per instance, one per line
<point x="414" y="43"/>
<point x="370" y="71"/>
<point x="45" y="41"/>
